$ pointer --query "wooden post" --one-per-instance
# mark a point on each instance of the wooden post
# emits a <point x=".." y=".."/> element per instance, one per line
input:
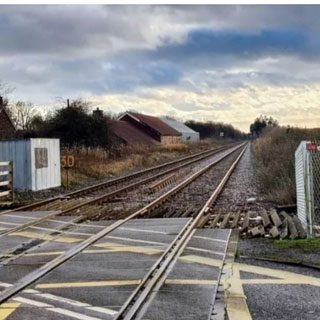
<point x="68" y="103"/>
<point x="12" y="181"/>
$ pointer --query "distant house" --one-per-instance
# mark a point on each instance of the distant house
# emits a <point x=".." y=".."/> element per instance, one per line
<point x="153" y="127"/>
<point x="187" y="134"/>
<point x="7" y="128"/>
<point x="128" y="134"/>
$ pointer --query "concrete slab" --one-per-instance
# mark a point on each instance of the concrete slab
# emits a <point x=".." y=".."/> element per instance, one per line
<point x="190" y="286"/>
<point x="104" y="275"/>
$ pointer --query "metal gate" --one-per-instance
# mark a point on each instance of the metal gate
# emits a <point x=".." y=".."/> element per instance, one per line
<point x="307" y="166"/>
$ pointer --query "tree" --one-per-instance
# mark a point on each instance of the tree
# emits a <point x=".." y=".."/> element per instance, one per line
<point x="211" y="129"/>
<point x="76" y="126"/>
<point x="22" y="114"/>
<point x="261" y="123"/>
<point x="4" y="91"/>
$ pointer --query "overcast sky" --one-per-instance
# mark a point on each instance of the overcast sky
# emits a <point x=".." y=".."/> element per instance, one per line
<point x="221" y="63"/>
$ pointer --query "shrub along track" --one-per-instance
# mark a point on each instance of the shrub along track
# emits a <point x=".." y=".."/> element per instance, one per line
<point x="140" y="296"/>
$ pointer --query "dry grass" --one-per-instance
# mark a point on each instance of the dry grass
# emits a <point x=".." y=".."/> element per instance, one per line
<point x="275" y="161"/>
<point x="94" y="164"/>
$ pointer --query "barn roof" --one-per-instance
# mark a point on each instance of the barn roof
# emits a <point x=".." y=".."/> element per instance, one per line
<point x="179" y="126"/>
<point x="129" y="133"/>
<point x="153" y="122"/>
<point x="3" y="109"/>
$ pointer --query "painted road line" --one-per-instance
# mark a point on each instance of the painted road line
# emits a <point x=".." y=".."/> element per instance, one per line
<point x="206" y="251"/>
<point x="210" y="239"/>
<point x="36" y="254"/>
<point x="113" y="248"/>
<point x="76" y="303"/>
<point x="282" y="275"/>
<point x="103" y="310"/>
<point x="122" y="248"/>
<point x="236" y="300"/>
<point x="46" y="237"/>
<point x="52" y="308"/>
<point x="191" y="282"/>
<point x="201" y="260"/>
<point x="10" y="223"/>
<point x="135" y="240"/>
<point x="32" y="302"/>
<point x="88" y="284"/>
<point x="20" y="217"/>
<point x="50" y="296"/>
<point x="7" y="308"/>
<point x="48" y="229"/>
<point x="143" y="230"/>
<point x="72" y="302"/>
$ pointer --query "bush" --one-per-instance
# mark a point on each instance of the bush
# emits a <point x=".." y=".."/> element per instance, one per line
<point x="275" y="161"/>
<point x="212" y="129"/>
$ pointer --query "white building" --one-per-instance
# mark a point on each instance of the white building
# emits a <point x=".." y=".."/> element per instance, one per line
<point x="36" y="162"/>
<point x="188" y="134"/>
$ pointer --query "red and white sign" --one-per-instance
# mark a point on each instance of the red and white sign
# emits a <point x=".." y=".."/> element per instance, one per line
<point x="312" y="146"/>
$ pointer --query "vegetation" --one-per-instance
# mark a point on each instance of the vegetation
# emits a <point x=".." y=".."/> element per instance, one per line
<point x="262" y="123"/>
<point x="274" y="151"/>
<point x="306" y="245"/>
<point x="99" y="163"/>
<point x="23" y="114"/>
<point x="213" y="129"/>
<point x="75" y="125"/>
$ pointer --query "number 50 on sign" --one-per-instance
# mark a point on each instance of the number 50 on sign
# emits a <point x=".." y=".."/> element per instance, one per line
<point x="67" y="161"/>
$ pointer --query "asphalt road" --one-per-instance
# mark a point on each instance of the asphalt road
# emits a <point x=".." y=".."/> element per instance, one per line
<point x="97" y="282"/>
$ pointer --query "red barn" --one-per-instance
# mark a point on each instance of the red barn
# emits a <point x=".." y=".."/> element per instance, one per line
<point x="128" y="133"/>
<point x="153" y="127"/>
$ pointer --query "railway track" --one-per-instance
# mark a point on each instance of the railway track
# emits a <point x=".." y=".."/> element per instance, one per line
<point x="136" y="304"/>
<point x="99" y="205"/>
<point x="58" y="202"/>
<point x="85" y="202"/>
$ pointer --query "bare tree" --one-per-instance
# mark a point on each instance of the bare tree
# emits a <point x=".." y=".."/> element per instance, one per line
<point x="22" y="114"/>
<point x="4" y="91"/>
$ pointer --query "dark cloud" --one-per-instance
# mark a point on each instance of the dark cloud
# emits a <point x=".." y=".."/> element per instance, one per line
<point x="51" y="51"/>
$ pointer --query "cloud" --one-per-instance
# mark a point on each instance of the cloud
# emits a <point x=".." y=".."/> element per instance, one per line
<point x="225" y="63"/>
<point x="295" y="105"/>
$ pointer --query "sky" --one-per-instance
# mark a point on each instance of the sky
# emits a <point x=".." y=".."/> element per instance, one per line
<point x="226" y="63"/>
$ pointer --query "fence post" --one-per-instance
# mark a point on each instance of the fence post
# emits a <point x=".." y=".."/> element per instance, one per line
<point x="12" y="181"/>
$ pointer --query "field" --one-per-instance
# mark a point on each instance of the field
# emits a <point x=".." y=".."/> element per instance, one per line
<point x="96" y="164"/>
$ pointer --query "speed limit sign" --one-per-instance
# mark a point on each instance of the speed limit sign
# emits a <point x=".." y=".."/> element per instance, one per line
<point x="67" y="161"/>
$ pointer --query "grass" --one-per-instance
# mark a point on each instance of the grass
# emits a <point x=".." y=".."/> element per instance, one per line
<point x="306" y="245"/>
<point x="275" y="162"/>
<point x="95" y="164"/>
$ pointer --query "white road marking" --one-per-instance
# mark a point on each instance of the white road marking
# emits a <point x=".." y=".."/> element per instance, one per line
<point x="76" y="303"/>
<point x="61" y="299"/>
<point x="103" y="310"/>
<point x="207" y="251"/>
<point x="210" y="239"/>
<point x="141" y="230"/>
<point x="135" y="240"/>
<point x="33" y="302"/>
<point x="51" y="308"/>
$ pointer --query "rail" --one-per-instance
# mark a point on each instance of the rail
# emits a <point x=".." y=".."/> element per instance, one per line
<point x="173" y="248"/>
<point x="197" y="156"/>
